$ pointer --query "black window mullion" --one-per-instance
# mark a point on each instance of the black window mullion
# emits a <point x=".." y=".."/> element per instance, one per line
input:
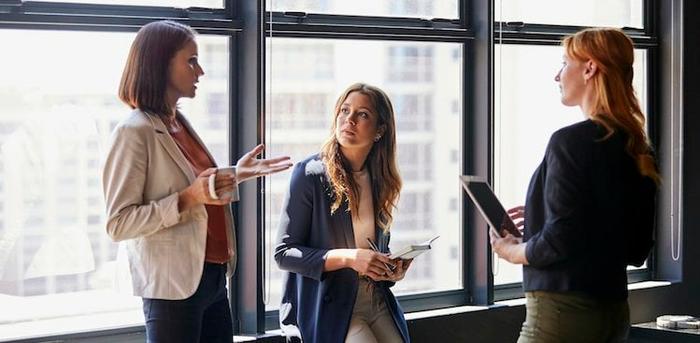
<point x="539" y="34"/>
<point x="651" y="12"/>
<point x="248" y="281"/>
<point x="118" y="18"/>
<point x="478" y="119"/>
<point x="66" y="8"/>
<point x="299" y="24"/>
<point x="464" y="20"/>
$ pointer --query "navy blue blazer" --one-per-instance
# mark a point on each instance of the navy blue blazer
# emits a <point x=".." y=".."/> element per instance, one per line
<point x="316" y="305"/>
<point x="588" y="214"/>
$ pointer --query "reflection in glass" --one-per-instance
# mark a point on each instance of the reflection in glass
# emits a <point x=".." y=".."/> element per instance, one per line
<point x="427" y="102"/>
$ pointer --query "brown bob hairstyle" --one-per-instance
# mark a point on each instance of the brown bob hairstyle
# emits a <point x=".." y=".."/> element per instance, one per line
<point x="145" y="77"/>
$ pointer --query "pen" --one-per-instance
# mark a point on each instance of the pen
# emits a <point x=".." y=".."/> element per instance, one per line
<point x="374" y="248"/>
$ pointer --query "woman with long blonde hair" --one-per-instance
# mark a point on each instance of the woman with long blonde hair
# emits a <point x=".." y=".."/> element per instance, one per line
<point x="590" y="206"/>
<point x="339" y="204"/>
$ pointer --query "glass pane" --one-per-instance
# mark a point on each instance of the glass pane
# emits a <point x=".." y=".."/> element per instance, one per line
<point x="615" y="13"/>
<point x="423" y="82"/>
<point x="404" y="8"/>
<point x="54" y="128"/>
<point x="528" y="111"/>
<point x="164" y="3"/>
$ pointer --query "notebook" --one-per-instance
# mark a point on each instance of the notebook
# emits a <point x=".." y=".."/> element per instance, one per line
<point x="413" y="250"/>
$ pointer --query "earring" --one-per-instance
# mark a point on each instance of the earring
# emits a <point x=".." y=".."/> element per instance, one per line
<point x="376" y="138"/>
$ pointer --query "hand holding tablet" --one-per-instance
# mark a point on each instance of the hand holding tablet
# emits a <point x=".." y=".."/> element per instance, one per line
<point x="489" y="206"/>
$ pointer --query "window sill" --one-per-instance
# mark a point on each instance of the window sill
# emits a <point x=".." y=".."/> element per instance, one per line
<point x="74" y="327"/>
<point x="130" y="323"/>
<point x="631" y="287"/>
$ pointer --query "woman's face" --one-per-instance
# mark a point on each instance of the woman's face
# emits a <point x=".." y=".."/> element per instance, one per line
<point x="356" y="122"/>
<point x="571" y="78"/>
<point x="184" y="72"/>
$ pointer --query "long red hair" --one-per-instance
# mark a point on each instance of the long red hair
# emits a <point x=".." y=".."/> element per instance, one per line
<point x="615" y="104"/>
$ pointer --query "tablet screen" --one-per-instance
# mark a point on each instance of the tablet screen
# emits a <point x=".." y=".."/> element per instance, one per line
<point x="488" y="204"/>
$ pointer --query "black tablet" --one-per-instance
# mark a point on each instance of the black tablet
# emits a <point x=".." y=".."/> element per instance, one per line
<point x="488" y="204"/>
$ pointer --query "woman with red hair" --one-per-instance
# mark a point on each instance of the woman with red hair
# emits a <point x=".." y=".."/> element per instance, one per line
<point x="590" y="205"/>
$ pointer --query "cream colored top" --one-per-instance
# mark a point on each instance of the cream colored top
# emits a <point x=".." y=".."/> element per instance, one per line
<point x="363" y="222"/>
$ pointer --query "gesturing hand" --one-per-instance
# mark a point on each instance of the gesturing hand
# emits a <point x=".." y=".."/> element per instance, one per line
<point x="249" y="167"/>
<point x="517" y="215"/>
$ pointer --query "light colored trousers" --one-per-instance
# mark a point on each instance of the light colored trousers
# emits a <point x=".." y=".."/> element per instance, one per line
<point x="573" y="317"/>
<point x="371" y="320"/>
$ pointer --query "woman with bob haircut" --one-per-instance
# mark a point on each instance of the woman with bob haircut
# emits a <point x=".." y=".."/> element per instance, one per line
<point x="589" y="210"/>
<point x="179" y="235"/>
<point x="337" y="287"/>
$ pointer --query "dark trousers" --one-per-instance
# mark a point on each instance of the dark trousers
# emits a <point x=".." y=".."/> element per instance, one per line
<point x="572" y="318"/>
<point x="204" y="317"/>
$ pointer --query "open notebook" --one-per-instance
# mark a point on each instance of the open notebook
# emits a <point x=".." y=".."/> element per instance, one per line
<point x="413" y="250"/>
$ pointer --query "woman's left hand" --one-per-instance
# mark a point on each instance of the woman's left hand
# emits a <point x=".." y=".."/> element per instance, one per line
<point x="509" y="248"/>
<point x="398" y="273"/>
<point x="248" y="167"/>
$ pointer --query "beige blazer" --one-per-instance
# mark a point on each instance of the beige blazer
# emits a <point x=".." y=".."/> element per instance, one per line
<point x="143" y="173"/>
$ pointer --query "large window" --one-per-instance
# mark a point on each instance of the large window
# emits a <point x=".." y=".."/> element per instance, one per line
<point x="422" y="79"/>
<point x="527" y="111"/>
<point x="56" y="123"/>
<point x="527" y="100"/>
<point x="615" y="13"/>
<point x="463" y="106"/>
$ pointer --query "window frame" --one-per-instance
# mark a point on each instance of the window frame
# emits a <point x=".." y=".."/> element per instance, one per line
<point x="340" y="27"/>
<point x="519" y="33"/>
<point x="247" y="25"/>
<point x="64" y="16"/>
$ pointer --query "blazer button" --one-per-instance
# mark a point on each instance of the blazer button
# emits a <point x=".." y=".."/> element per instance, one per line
<point x="327" y="298"/>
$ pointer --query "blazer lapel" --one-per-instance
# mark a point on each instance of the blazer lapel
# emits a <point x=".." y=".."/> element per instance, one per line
<point x="171" y="147"/>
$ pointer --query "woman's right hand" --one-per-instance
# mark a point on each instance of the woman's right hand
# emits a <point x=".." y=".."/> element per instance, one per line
<point x="371" y="263"/>
<point x="517" y="215"/>
<point x="198" y="192"/>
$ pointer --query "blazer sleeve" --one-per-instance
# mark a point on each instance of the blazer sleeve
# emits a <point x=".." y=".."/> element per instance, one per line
<point x="564" y="190"/>
<point x="123" y="181"/>
<point x="292" y="252"/>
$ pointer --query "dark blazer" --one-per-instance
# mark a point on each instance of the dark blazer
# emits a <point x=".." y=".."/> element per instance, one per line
<point x="588" y="214"/>
<point x="317" y="305"/>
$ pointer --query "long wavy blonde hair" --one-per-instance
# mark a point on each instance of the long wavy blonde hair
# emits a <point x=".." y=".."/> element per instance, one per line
<point x="615" y="104"/>
<point x="380" y="163"/>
